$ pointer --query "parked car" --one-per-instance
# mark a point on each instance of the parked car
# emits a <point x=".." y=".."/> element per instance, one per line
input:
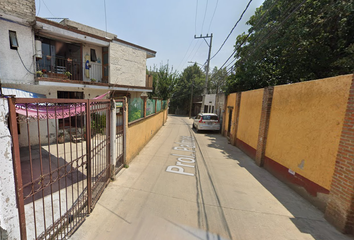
<point x="206" y="121"/>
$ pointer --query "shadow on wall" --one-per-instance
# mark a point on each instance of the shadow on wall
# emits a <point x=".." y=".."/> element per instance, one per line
<point x="306" y="218"/>
<point x="48" y="173"/>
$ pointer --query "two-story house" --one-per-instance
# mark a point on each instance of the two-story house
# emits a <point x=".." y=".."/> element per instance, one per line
<point x="69" y="60"/>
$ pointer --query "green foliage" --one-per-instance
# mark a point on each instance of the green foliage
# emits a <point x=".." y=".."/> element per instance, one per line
<point x="217" y="80"/>
<point x="98" y="123"/>
<point x="135" y="109"/>
<point x="294" y="41"/>
<point x="182" y="92"/>
<point x="164" y="80"/>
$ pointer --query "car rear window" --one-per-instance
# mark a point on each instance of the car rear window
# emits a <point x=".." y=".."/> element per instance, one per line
<point x="210" y="117"/>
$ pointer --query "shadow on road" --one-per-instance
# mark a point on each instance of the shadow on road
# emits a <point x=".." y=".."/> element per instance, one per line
<point x="306" y="218"/>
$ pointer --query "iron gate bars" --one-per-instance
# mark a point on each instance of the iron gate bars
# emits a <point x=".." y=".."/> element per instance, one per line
<point x="120" y="134"/>
<point x="61" y="162"/>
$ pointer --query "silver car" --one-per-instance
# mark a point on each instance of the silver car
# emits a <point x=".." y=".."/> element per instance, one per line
<point x="206" y="121"/>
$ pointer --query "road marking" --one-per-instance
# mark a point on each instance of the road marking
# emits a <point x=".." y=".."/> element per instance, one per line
<point x="185" y="145"/>
<point x="180" y="170"/>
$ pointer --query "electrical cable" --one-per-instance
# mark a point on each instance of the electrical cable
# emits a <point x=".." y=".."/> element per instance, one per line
<point x="185" y="53"/>
<point x="212" y="18"/>
<point x="200" y="44"/>
<point x="39" y="7"/>
<point x="206" y="8"/>
<point x="47" y="8"/>
<point x="276" y="28"/>
<point x="23" y="63"/>
<point x="286" y="18"/>
<point x="232" y="29"/>
<point x="195" y="19"/>
<point x="105" y="15"/>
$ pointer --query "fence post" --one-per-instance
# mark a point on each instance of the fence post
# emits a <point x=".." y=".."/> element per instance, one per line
<point x="144" y="99"/>
<point x="264" y="124"/>
<point x="237" y="116"/>
<point x="125" y="129"/>
<point x="155" y="98"/>
<point x="88" y="154"/>
<point x="17" y="168"/>
<point x="113" y="151"/>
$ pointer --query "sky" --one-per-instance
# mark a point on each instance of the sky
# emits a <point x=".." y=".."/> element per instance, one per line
<point x="165" y="26"/>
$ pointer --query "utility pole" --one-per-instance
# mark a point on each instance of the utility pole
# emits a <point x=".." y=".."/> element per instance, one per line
<point x="207" y="68"/>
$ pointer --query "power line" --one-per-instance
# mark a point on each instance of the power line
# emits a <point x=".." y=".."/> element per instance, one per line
<point x="185" y="53"/>
<point x="206" y="8"/>
<point x="105" y="15"/>
<point x="232" y="29"/>
<point x="47" y="8"/>
<point x="216" y="6"/>
<point x="39" y="7"/>
<point x="264" y="38"/>
<point x="195" y="19"/>
<point x="200" y="44"/>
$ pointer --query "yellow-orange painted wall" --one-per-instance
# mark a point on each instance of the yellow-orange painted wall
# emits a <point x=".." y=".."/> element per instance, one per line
<point x="140" y="133"/>
<point x="231" y="102"/>
<point x="250" y="116"/>
<point x="305" y="126"/>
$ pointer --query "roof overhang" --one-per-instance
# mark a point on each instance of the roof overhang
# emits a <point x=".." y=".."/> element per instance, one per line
<point x="18" y="93"/>
<point x="149" y="53"/>
<point x="92" y="86"/>
<point x="52" y="29"/>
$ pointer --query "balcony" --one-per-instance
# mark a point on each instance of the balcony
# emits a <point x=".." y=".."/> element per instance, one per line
<point x="59" y="68"/>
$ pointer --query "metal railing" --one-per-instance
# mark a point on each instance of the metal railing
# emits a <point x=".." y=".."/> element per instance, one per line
<point x="60" y="172"/>
<point x="73" y="69"/>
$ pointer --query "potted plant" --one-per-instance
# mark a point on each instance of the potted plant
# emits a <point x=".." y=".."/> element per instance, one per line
<point x="44" y="73"/>
<point x="68" y="74"/>
<point x="93" y="80"/>
<point x="61" y="137"/>
<point x="39" y="73"/>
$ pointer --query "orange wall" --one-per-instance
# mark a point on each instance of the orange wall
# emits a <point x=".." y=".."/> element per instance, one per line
<point x="250" y="116"/>
<point x="231" y="102"/>
<point x="305" y="126"/>
<point x="140" y="133"/>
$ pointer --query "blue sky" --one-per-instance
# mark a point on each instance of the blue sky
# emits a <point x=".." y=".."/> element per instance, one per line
<point x="166" y="26"/>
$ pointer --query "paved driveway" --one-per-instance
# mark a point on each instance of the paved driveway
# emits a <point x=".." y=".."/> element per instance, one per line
<point x="185" y="185"/>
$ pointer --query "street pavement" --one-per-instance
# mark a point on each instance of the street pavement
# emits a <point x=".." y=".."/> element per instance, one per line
<point x="188" y="185"/>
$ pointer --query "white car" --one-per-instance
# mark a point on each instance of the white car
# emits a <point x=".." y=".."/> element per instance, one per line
<point x="206" y="121"/>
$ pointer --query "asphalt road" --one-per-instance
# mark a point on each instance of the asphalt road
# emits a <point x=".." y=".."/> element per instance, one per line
<point x="188" y="185"/>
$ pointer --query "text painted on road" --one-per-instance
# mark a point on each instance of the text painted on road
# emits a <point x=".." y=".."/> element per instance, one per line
<point x="186" y="145"/>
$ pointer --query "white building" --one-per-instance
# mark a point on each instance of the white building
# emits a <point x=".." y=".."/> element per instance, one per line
<point x="67" y="59"/>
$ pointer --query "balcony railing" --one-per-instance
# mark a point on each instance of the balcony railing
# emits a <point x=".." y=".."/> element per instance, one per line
<point x="73" y="69"/>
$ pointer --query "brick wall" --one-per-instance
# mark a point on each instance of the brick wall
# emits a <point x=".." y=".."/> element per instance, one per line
<point x="264" y="124"/>
<point x="340" y="207"/>
<point x="25" y="9"/>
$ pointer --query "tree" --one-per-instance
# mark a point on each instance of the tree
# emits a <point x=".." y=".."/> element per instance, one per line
<point x="217" y="80"/>
<point x="182" y="94"/>
<point x="294" y="41"/>
<point x="164" y="80"/>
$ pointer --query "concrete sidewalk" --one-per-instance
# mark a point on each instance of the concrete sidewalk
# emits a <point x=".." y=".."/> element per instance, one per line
<point x="224" y="195"/>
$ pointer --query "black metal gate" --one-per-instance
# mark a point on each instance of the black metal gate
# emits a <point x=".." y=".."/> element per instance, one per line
<point x="120" y="134"/>
<point x="61" y="150"/>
